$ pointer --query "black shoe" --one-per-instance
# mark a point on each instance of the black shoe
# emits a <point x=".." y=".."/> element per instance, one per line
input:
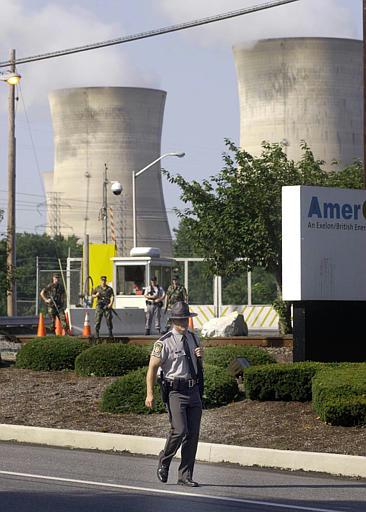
<point x="188" y="482"/>
<point x="162" y="473"/>
<point x="147" y="332"/>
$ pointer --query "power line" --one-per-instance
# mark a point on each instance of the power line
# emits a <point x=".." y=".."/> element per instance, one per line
<point x="150" y="33"/>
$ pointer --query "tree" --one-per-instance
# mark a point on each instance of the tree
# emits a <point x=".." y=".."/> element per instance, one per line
<point x="234" y="218"/>
<point x="29" y="246"/>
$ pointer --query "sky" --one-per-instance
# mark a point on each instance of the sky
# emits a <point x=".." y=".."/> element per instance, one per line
<point x="195" y="67"/>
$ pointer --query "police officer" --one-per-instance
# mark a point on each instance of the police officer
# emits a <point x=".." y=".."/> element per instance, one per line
<point x="154" y="295"/>
<point x="176" y="292"/>
<point x="105" y="297"/>
<point x="54" y="296"/>
<point x="180" y="357"/>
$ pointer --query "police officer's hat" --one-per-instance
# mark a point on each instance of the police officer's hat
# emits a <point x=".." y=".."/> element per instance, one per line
<point x="180" y="310"/>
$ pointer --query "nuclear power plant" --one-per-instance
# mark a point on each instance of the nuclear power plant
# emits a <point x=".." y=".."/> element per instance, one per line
<point x="115" y="130"/>
<point x="302" y="88"/>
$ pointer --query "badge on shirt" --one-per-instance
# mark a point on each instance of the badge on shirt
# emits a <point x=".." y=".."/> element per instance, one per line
<point x="158" y="347"/>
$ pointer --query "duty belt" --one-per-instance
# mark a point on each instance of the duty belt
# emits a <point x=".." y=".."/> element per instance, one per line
<point x="181" y="384"/>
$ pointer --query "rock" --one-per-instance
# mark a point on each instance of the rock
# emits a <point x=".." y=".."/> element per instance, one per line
<point x="229" y="325"/>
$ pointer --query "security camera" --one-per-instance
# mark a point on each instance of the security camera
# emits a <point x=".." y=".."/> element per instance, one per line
<point x="116" y="188"/>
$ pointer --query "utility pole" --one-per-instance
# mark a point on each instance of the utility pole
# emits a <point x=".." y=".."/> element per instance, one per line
<point x="104" y="210"/>
<point x="11" y="232"/>
<point x="364" y="91"/>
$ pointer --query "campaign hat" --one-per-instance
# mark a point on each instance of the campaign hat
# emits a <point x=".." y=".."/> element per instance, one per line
<point x="180" y="310"/>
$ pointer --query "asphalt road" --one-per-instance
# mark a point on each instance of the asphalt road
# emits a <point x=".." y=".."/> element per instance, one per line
<point x="41" y="479"/>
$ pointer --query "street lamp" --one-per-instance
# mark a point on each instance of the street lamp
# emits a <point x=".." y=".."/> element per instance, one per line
<point x="134" y="176"/>
<point x="116" y="188"/>
<point x="12" y="78"/>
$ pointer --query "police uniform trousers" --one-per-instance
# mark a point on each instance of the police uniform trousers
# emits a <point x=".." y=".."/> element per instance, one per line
<point x="107" y="312"/>
<point x="151" y="311"/>
<point x="185" y="411"/>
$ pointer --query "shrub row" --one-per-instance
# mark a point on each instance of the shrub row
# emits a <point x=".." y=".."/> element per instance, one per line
<point x="111" y="359"/>
<point x="50" y="353"/>
<point x="339" y="395"/>
<point x="128" y="393"/>
<point x="280" y="381"/>
<point x="223" y="356"/>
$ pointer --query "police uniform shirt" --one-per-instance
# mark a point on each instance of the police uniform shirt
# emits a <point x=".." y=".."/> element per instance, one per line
<point x="170" y="350"/>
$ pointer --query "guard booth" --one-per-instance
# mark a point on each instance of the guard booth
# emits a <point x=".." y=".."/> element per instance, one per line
<point x="131" y="274"/>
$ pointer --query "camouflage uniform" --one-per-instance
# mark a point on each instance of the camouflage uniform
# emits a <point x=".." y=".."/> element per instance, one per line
<point x="174" y="295"/>
<point x="177" y="294"/>
<point x="56" y="292"/>
<point x="103" y="300"/>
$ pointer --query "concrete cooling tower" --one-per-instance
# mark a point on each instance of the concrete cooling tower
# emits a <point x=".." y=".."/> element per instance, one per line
<point x="120" y="127"/>
<point x="297" y="89"/>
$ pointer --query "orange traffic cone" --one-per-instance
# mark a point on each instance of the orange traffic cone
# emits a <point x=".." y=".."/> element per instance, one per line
<point x="58" y="327"/>
<point x="41" y="331"/>
<point x="86" y="328"/>
<point x="190" y="324"/>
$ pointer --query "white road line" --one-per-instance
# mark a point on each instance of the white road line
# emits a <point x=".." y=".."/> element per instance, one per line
<point x="162" y="491"/>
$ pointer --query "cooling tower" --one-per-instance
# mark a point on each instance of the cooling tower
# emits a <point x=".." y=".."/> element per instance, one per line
<point x="120" y="127"/>
<point x="302" y="89"/>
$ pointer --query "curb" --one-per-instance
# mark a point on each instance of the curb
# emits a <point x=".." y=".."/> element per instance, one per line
<point x="334" y="464"/>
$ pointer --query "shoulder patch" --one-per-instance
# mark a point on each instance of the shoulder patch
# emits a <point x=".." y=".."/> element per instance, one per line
<point x="158" y="347"/>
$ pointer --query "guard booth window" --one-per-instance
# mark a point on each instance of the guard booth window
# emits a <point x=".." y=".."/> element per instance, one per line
<point x="130" y="279"/>
<point x="163" y="274"/>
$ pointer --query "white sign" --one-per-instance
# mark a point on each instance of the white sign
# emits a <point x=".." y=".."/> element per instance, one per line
<point x="323" y="243"/>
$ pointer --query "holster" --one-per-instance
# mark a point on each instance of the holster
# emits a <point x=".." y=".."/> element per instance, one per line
<point x="164" y="390"/>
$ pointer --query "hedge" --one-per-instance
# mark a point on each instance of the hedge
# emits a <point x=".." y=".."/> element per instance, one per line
<point x="339" y="395"/>
<point x="111" y="359"/>
<point x="50" y="353"/>
<point x="128" y="393"/>
<point x="290" y="381"/>
<point x="223" y="356"/>
<point x="280" y="381"/>
<point x="221" y="388"/>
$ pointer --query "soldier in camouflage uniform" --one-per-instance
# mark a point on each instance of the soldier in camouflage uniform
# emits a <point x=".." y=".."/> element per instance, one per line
<point x="54" y="296"/>
<point x="176" y="293"/>
<point x="105" y="297"/>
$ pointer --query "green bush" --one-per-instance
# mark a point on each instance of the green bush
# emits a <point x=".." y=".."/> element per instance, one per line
<point x="280" y="381"/>
<point x="128" y="394"/>
<point x="223" y="356"/>
<point x="220" y="387"/>
<point x="50" y="353"/>
<point x="339" y="395"/>
<point x="111" y="359"/>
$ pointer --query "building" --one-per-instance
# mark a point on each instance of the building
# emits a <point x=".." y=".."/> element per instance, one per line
<point x="305" y="88"/>
<point x="118" y="128"/>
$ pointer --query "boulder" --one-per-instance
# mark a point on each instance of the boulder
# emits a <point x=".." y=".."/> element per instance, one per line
<point x="232" y="324"/>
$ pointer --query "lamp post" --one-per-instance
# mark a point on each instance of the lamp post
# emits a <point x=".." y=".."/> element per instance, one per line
<point x="12" y="78"/>
<point x="116" y="188"/>
<point x="134" y="176"/>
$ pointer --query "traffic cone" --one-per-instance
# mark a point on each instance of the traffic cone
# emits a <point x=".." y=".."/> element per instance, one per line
<point x="86" y="328"/>
<point x="190" y="324"/>
<point x="58" y="327"/>
<point x="41" y="331"/>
